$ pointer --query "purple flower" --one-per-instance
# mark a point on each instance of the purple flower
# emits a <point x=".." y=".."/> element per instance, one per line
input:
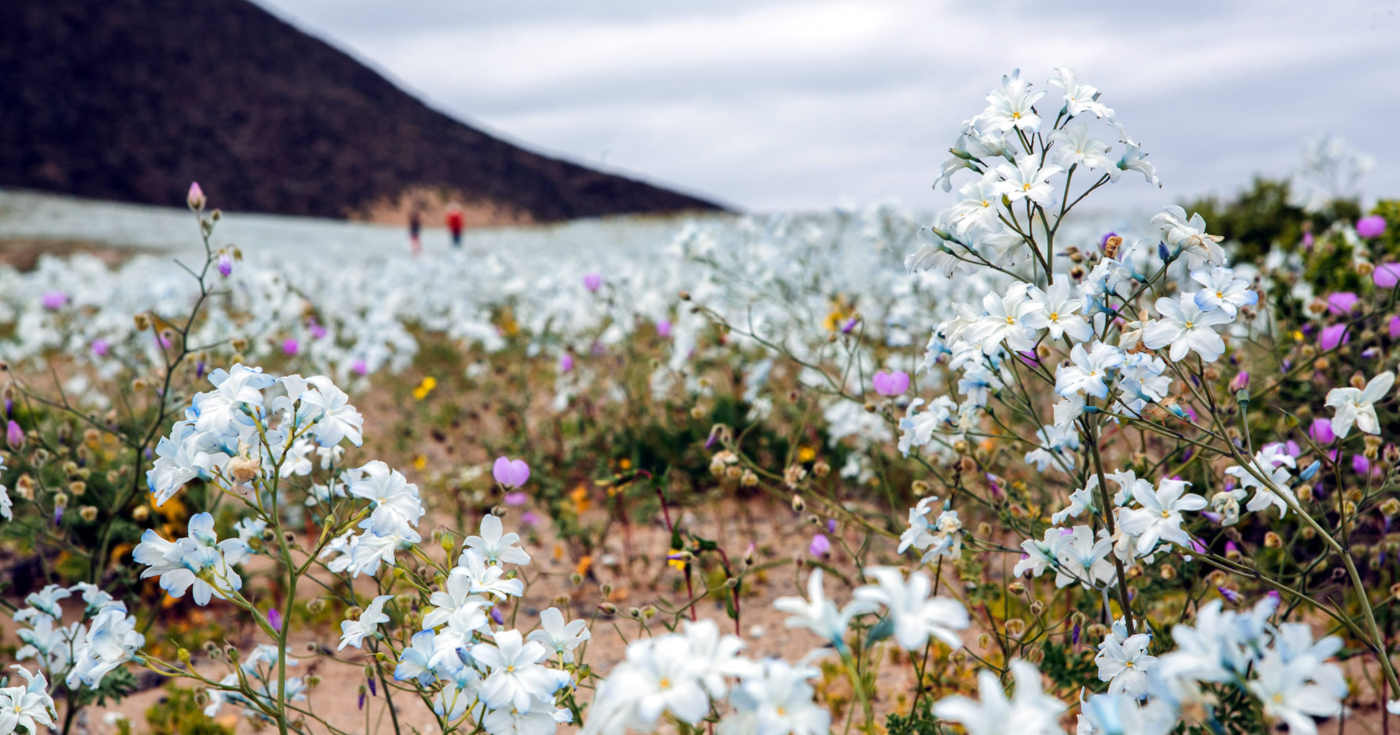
<point x="663" y="328"/>
<point x="317" y="331"/>
<point x="100" y="347"/>
<point x="359" y="367"/>
<point x="891" y="384"/>
<point x="1394" y="327"/>
<point x="1386" y="275"/>
<point x="566" y="362"/>
<point x="510" y="473"/>
<point x="290" y="346"/>
<point x="1229" y="594"/>
<point x="820" y="546"/>
<point x="14" y="435"/>
<point x="850" y="325"/>
<point x="195" y="197"/>
<point x="1373" y="226"/>
<point x="1103" y="241"/>
<point x="1231" y="548"/>
<point x="497" y="616"/>
<point x="1333" y="337"/>
<point x="1342" y="302"/>
<point x="1308" y="239"/>
<point x="529" y="518"/>
<point x="225" y="265"/>
<point x="57" y="515"/>
<point x="1360" y="465"/>
<point x="1075" y="636"/>
<point x="831" y="525"/>
<point x="592" y="281"/>
<point x="373" y="688"/>
<point x="274" y="618"/>
<point x="1321" y="431"/>
<point x="199" y="368"/>
<point x="54" y="300"/>
<point x="516" y="499"/>
<point x="1240" y="381"/>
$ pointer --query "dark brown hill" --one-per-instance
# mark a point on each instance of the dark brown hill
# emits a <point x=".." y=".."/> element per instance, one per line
<point x="132" y="99"/>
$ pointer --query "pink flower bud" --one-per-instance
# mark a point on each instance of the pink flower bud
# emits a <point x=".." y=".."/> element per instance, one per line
<point x="566" y="362"/>
<point x="891" y="384"/>
<point x="196" y="197"/>
<point x="290" y="346"/>
<point x="663" y="328"/>
<point x="820" y="546"/>
<point x="1373" y="226"/>
<point x="1240" y="381"/>
<point x="54" y="300"/>
<point x="225" y="265"/>
<point x="592" y="281"/>
<point x="100" y="347"/>
<point x="14" y="435"/>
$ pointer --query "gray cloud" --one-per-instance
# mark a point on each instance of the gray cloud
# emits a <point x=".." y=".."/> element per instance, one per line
<point x="782" y="104"/>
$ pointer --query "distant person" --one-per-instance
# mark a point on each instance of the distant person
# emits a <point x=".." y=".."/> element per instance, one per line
<point x="454" y="224"/>
<point x="415" y="230"/>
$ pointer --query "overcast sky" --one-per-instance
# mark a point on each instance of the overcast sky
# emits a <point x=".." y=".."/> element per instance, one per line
<point x="773" y="104"/>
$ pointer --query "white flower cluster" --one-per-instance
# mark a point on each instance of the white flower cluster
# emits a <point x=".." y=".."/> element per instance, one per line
<point x="80" y="653"/>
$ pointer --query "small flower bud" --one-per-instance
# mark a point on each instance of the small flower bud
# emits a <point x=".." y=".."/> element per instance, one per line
<point x="1272" y="540"/>
<point x="798" y="504"/>
<point x="140" y="513"/>
<point x="1016" y="588"/>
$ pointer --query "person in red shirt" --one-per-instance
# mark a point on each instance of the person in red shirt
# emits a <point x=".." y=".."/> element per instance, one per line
<point x="454" y="224"/>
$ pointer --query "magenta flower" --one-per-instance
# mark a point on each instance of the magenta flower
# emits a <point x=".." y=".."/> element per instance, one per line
<point x="290" y="346"/>
<point x="1373" y="226"/>
<point x="820" y="546"/>
<point x="1341" y="302"/>
<point x="592" y="281"/>
<point x="1386" y="275"/>
<point x="1321" y="431"/>
<point x="510" y="473"/>
<point x="1360" y="465"/>
<point x="529" y="518"/>
<point x="100" y="347"/>
<point x="54" y="300"/>
<point x="516" y="499"/>
<point x="195" y="198"/>
<point x="274" y="618"/>
<point x="891" y="384"/>
<point x="1333" y="337"/>
<point x="359" y="367"/>
<point x="663" y="328"/>
<point x="1240" y="381"/>
<point x="317" y="331"/>
<point x="566" y="362"/>
<point x="1394" y="327"/>
<point x="1308" y="239"/>
<point x="225" y="265"/>
<point x="14" y="435"/>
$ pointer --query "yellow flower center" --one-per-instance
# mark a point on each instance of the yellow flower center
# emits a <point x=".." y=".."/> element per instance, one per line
<point x="665" y="684"/>
<point x="1166" y="514"/>
<point x="1015" y="116"/>
<point x="510" y="669"/>
<point x="1010" y="320"/>
<point x="1219" y="295"/>
<point x="1055" y="317"/>
<point x="1190" y="325"/>
<point x="1026" y="187"/>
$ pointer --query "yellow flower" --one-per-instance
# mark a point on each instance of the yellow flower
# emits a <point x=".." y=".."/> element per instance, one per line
<point x="583" y="565"/>
<point x="806" y="454"/>
<point x="580" y="497"/>
<point x="420" y="461"/>
<point x="425" y="387"/>
<point x="1297" y="336"/>
<point x="625" y="464"/>
<point x="672" y="561"/>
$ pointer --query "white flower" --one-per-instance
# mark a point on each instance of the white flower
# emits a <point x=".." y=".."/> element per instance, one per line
<point x="486" y="578"/>
<point x="1028" y="180"/>
<point x="1133" y="159"/>
<point x="1012" y="318"/>
<point x="1079" y="98"/>
<point x="516" y="676"/>
<point x="1125" y="664"/>
<point x="26" y="706"/>
<point x="819" y="614"/>
<point x="44" y="602"/>
<point x="1273" y="462"/>
<point x="1159" y="518"/>
<point x="221" y="408"/>
<point x="1186" y="328"/>
<point x="111" y="641"/>
<point x="658" y="677"/>
<point x="1010" y="107"/>
<point x="917" y="429"/>
<point x="1041" y="555"/>
<point x="716" y="655"/>
<point x="457" y="604"/>
<point x="776" y="700"/>
<point x="1081" y="558"/>
<point x="394" y="499"/>
<point x="1358" y="407"/>
<point x="1118" y="714"/>
<point x="1223" y="291"/>
<point x="1085" y="498"/>
<point x="1289" y="692"/>
<point x="495" y="546"/>
<point x="542" y="718"/>
<point x="353" y="632"/>
<point x="1077" y="148"/>
<point x="337" y="419"/>
<point x="1028" y="712"/>
<point x="980" y="205"/>
<point x="1061" y="308"/>
<point x="197" y="561"/>
<point x="1190" y="236"/>
<point x="1088" y="371"/>
<point x="916" y="618"/>
<point x="558" y="636"/>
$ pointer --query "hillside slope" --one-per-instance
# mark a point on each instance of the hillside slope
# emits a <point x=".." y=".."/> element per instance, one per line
<point x="131" y="100"/>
